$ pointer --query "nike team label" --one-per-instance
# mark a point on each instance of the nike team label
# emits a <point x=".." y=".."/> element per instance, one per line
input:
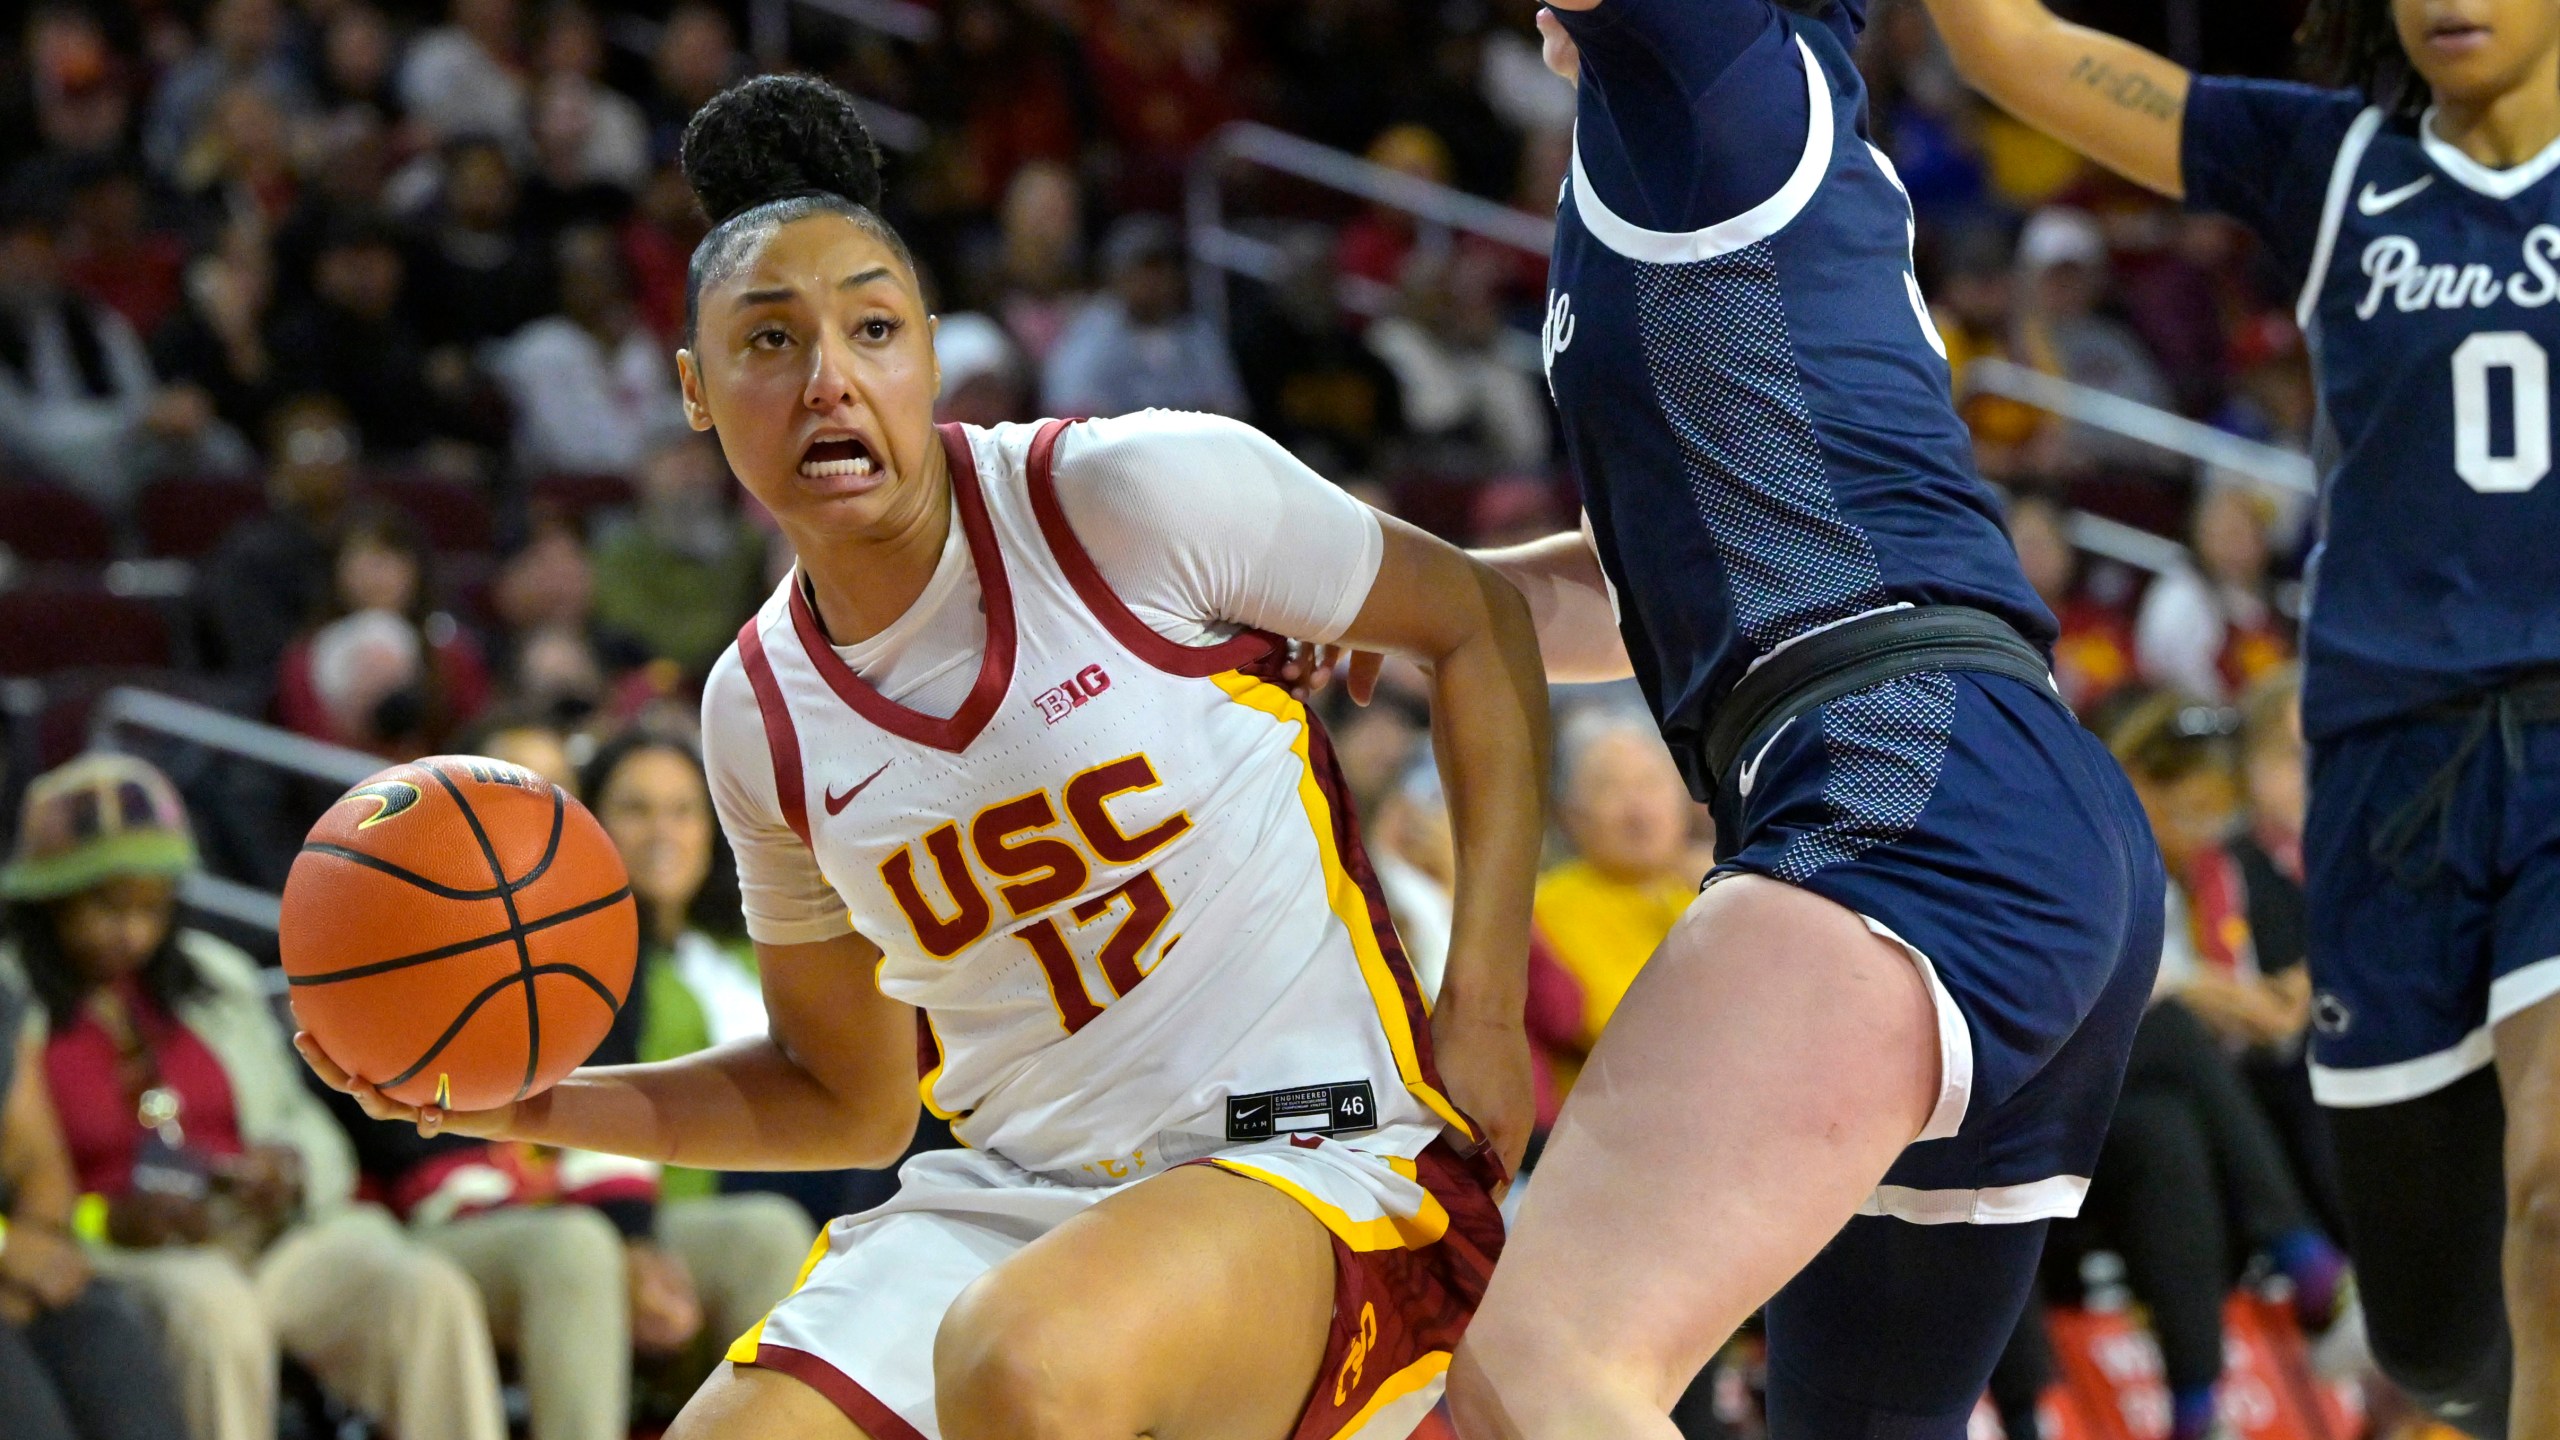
<point x="1338" y="1109"/>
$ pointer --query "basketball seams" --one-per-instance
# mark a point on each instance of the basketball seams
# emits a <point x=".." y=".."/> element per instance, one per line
<point x="515" y="932"/>
<point x="491" y="992"/>
<point x="464" y="947"/>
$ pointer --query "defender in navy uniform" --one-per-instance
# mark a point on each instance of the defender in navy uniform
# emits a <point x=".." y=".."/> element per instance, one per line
<point x="2419" y="211"/>
<point x="1881" y="1050"/>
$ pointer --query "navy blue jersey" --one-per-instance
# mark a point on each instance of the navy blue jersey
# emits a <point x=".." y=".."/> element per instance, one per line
<point x="1752" y="395"/>
<point x="2428" y="283"/>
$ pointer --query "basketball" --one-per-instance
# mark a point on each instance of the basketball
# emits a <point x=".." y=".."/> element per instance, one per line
<point x="458" y="931"/>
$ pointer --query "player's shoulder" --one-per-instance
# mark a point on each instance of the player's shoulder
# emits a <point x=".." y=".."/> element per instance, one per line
<point x="732" y="707"/>
<point x="2292" y="109"/>
<point x="1143" y="436"/>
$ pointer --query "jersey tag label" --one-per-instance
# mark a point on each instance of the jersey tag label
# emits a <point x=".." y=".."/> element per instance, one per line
<point x="1339" y="1109"/>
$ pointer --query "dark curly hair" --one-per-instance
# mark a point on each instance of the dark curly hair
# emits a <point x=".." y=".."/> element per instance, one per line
<point x="2354" y="45"/>
<point x="770" y="150"/>
<point x="57" y="981"/>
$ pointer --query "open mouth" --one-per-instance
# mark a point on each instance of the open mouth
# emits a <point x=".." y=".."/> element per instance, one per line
<point x="838" y="456"/>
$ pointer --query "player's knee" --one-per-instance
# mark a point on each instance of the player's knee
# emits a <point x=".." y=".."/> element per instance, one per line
<point x="1004" y="1366"/>
<point x="2533" y="1212"/>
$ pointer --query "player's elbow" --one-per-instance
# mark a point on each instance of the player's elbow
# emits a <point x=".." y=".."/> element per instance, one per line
<point x="878" y="1136"/>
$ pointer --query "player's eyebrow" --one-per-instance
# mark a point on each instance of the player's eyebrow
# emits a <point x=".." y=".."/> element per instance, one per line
<point x="853" y="282"/>
<point x="768" y="296"/>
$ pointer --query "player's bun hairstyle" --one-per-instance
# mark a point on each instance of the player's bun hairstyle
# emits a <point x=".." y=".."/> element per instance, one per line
<point x="2354" y="45"/>
<point x="770" y="150"/>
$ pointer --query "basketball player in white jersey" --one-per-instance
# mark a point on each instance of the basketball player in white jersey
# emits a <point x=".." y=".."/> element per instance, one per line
<point x="1005" y="790"/>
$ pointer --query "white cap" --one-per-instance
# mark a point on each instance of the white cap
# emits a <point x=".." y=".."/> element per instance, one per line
<point x="2060" y="235"/>
<point x="968" y="346"/>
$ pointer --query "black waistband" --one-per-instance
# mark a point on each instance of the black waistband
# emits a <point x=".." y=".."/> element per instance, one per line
<point x="2532" y="697"/>
<point x="1854" y="655"/>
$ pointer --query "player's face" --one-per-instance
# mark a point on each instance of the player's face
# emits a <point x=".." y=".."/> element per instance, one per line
<point x="814" y="362"/>
<point x="2473" y="51"/>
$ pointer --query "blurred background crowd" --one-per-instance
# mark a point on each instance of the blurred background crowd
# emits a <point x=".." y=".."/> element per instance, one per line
<point x="335" y="396"/>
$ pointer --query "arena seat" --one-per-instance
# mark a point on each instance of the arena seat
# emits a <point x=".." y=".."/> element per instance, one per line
<point x="47" y="524"/>
<point x="450" y="515"/>
<point x="579" y="497"/>
<point x="49" y="624"/>
<point x="185" y="517"/>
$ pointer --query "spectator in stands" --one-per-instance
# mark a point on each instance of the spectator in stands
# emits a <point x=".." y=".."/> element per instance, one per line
<point x="585" y="132"/>
<point x="244" y="44"/>
<point x="2193" y="1178"/>
<point x="532" y="741"/>
<point x="1314" y="386"/>
<point x="272" y="576"/>
<point x="467" y="77"/>
<point x="1464" y="398"/>
<point x="1378" y="245"/>
<point x="353" y="340"/>
<point x="983" y="378"/>
<point x="357" y="89"/>
<point x="1635" y="868"/>
<point x="2093" y="653"/>
<point x="78" y="100"/>
<point x="2061" y="278"/>
<point x="79" y="403"/>
<point x="228" y="1188"/>
<point x="240" y="164"/>
<point x="387" y="671"/>
<point x="1018" y="95"/>
<point x="481" y="274"/>
<point x="696" y="59"/>
<point x="114" y="254"/>
<point x="1973" y="305"/>
<point x="1416" y="861"/>
<point x="658" y="237"/>
<point x="685" y="571"/>
<point x="1039" y="284"/>
<point x="1137" y="345"/>
<point x="2266" y="870"/>
<point x="221" y="340"/>
<point x="77" y="1359"/>
<point x="2211" y="629"/>
<point x="1165" y="74"/>
<point x="591" y="387"/>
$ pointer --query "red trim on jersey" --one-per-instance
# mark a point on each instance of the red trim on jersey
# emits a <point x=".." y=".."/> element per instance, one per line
<point x="995" y="669"/>
<point x="1192" y="662"/>
<point x="860" y="1406"/>
<point x="1355" y="862"/>
<point x="780" y="737"/>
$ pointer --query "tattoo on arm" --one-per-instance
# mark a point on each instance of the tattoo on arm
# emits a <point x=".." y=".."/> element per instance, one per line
<point x="2124" y="87"/>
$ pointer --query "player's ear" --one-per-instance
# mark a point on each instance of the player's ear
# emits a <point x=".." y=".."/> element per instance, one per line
<point x="697" y="410"/>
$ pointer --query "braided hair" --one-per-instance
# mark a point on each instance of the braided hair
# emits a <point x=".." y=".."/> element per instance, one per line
<point x="2354" y="45"/>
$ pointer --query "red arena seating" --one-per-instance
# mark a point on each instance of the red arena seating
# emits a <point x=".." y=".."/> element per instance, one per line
<point x="452" y="517"/>
<point x="47" y="626"/>
<point x="46" y="524"/>
<point x="579" y="497"/>
<point x="184" y="517"/>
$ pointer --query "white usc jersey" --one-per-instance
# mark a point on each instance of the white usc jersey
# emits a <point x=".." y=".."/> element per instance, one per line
<point x="1118" y="881"/>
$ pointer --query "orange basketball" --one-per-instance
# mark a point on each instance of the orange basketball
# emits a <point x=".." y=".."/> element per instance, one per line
<point x="458" y="931"/>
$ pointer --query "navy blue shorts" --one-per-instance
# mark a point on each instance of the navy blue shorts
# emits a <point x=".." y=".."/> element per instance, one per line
<point x="2415" y="957"/>
<point x="1973" y="820"/>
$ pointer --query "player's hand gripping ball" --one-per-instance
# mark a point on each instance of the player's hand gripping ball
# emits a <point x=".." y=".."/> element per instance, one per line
<point x="459" y="932"/>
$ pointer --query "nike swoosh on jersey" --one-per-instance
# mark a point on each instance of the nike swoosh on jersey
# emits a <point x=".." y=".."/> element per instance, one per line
<point x="1751" y="767"/>
<point x="2373" y="202"/>
<point x="836" y="802"/>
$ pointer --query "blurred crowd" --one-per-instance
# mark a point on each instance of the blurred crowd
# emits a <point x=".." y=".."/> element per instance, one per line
<point x="335" y="392"/>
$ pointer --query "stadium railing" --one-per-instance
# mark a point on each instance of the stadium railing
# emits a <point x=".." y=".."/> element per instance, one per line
<point x="1219" y="249"/>
<point x="126" y="714"/>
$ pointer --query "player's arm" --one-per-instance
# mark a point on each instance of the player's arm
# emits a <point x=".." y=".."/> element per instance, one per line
<point x="830" y="1087"/>
<point x="1568" y="600"/>
<point x="2111" y="100"/>
<point x="1472" y="634"/>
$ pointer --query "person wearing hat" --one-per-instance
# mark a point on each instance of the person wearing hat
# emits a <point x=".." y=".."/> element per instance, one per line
<point x="77" y="1361"/>
<point x="217" y="1186"/>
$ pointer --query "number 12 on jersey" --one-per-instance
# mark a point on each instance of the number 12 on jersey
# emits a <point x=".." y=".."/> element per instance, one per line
<point x="2481" y="365"/>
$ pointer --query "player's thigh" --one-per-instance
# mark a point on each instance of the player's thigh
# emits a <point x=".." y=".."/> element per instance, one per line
<point x="1770" y="1061"/>
<point x="749" y="1402"/>
<point x="1196" y="1304"/>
